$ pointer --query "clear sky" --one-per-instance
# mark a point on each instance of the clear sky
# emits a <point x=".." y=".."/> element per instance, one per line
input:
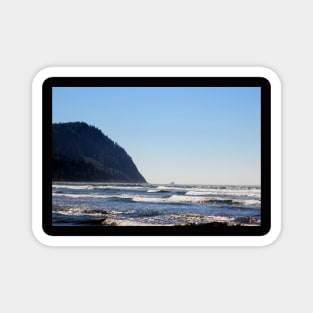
<point x="195" y="135"/>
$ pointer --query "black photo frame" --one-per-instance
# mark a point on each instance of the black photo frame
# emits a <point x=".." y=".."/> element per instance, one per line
<point x="47" y="103"/>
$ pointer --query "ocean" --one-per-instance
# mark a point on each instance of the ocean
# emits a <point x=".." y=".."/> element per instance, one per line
<point x="86" y="204"/>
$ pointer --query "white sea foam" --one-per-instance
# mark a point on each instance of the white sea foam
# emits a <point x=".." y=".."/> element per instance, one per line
<point x="242" y="193"/>
<point x="248" y="202"/>
<point x="198" y="193"/>
<point x="193" y="199"/>
<point x="75" y="187"/>
<point x="197" y="218"/>
<point x="73" y="195"/>
<point x="158" y="190"/>
<point x="148" y="199"/>
<point x="162" y="187"/>
<point x="180" y="219"/>
<point x="79" y="212"/>
<point x="116" y="222"/>
<point x="173" y="199"/>
<point x="119" y="187"/>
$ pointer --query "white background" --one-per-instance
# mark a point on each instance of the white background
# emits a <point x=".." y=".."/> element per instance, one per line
<point x="37" y="34"/>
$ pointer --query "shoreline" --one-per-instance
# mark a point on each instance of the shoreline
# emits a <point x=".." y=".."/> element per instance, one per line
<point x="124" y="223"/>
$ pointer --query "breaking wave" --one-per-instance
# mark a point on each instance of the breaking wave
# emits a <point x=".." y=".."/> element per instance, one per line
<point x="194" y="199"/>
<point x="153" y="204"/>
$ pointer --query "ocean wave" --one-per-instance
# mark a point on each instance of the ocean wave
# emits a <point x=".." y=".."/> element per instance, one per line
<point x="80" y="212"/>
<point x="251" y="202"/>
<point x="171" y="199"/>
<point x="194" y="199"/>
<point x="241" y="193"/>
<point x="207" y="190"/>
<point x="157" y="190"/>
<point x="182" y="220"/>
<point x="203" y="219"/>
<point x="118" y="187"/>
<point x="116" y="222"/>
<point x="74" y="187"/>
<point x="78" y="196"/>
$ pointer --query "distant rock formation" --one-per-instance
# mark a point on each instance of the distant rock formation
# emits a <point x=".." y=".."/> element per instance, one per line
<point x="83" y="153"/>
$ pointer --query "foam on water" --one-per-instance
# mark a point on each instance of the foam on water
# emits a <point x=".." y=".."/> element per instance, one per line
<point x="158" y="190"/>
<point x="193" y="199"/>
<point x="119" y="187"/>
<point x="242" y="193"/>
<point x="75" y="187"/>
<point x="148" y="199"/>
<point x="178" y="219"/>
<point x="171" y="199"/>
<point x="80" y="212"/>
<point x="96" y="196"/>
<point x="248" y="202"/>
<point x="152" y="204"/>
<point x="116" y="222"/>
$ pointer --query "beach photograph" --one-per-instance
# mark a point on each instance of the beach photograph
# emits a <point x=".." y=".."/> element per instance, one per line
<point x="156" y="156"/>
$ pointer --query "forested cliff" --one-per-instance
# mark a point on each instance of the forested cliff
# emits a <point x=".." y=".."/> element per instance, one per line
<point x="83" y="153"/>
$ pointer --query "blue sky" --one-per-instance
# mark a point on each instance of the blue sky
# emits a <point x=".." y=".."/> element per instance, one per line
<point x="195" y="135"/>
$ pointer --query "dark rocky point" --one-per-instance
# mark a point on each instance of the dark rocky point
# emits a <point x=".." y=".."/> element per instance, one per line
<point x="83" y="153"/>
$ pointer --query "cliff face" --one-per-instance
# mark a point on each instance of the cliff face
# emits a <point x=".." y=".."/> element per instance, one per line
<point x="83" y="153"/>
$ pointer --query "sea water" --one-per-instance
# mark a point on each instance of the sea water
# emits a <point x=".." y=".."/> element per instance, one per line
<point x="79" y="204"/>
